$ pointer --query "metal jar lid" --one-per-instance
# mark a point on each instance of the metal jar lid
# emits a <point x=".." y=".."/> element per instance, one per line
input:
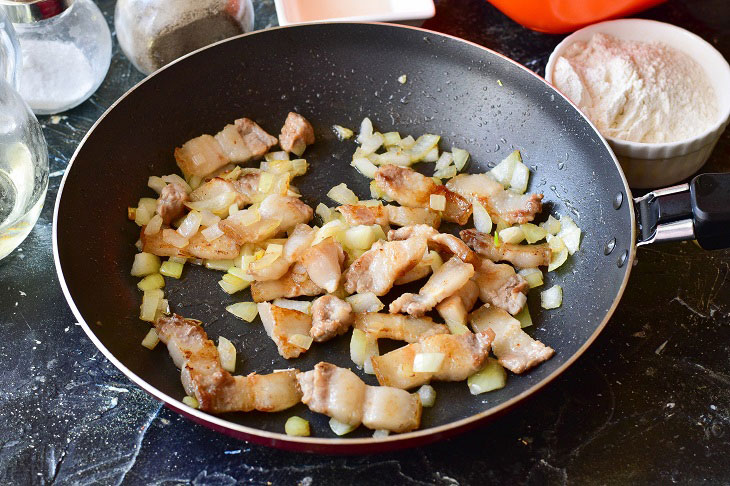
<point x="29" y="11"/>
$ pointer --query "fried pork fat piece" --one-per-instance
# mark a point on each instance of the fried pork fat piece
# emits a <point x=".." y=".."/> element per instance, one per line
<point x="340" y="394"/>
<point x="216" y="390"/>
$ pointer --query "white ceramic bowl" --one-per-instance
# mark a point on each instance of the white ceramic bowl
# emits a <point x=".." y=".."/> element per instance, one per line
<point x="649" y="165"/>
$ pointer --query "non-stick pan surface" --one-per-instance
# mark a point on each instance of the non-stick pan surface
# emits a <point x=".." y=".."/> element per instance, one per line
<point x="335" y="74"/>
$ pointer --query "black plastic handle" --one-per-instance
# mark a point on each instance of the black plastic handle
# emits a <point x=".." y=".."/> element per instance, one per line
<point x="710" y="199"/>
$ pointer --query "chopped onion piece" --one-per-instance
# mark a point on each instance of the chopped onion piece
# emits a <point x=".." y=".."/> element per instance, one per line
<point x="367" y="302"/>
<point x="533" y="233"/>
<point x="301" y="340"/>
<point x="443" y="161"/>
<point x="533" y="276"/>
<point x="232" y="284"/>
<point x="244" y="310"/>
<point x="334" y="228"/>
<point x="551" y="298"/>
<point x="461" y="156"/>
<point x="281" y="155"/>
<point x="174" y="238"/>
<point x="304" y="306"/>
<point x="366" y="129"/>
<point x="371" y="143"/>
<point x="446" y="172"/>
<point x="524" y="317"/>
<point x="342" y="194"/>
<point x="171" y="269"/>
<point x="423" y="145"/>
<point x="191" y="402"/>
<point x="491" y="377"/>
<point x="376" y="193"/>
<point x="176" y="179"/>
<point x="207" y="218"/>
<point x="437" y="202"/>
<point x="217" y="204"/>
<point x="456" y="328"/>
<point x="431" y="156"/>
<point x="266" y="181"/>
<point x="342" y="132"/>
<point x="151" y="282"/>
<point x="365" y="167"/>
<point x="195" y="182"/>
<point x="427" y="395"/>
<point x="360" y="237"/>
<point x="362" y="347"/>
<point x="151" y="339"/>
<point x="380" y="433"/>
<point x="520" y="178"/>
<point x="394" y="157"/>
<point x="145" y="264"/>
<point x="428" y="362"/>
<point x="504" y="170"/>
<point x="407" y="142"/>
<point x="223" y="265"/>
<point x="391" y="139"/>
<point x="559" y="252"/>
<point x="552" y="225"/>
<point x="227" y="354"/>
<point x="231" y="175"/>
<point x="482" y="220"/>
<point x="326" y="213"/>
<point x="156" y="184"/>
<point x="299" y="167"/>
<point x="341" y="428"/>
<point x="191" y="224"/>
<point x="150" y="304"/>
<point x="402" y="79"/>
<point x="212" y="233"/>
<point x="296" y="427"/>
<point x="274" y="249"/>
<point x="143" y="215"/>
<point x="233" y="209"/>
<point x="570" y="234"/>
<point x="434" y="260"/>
<point x="512" y="235"/>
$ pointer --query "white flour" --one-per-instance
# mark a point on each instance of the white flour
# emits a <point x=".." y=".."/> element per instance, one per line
<point x="54" y="75"/>
<point x="637" y="91"/>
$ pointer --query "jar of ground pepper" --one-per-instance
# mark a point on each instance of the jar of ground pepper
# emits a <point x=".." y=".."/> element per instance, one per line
<point x="153" y="33"/>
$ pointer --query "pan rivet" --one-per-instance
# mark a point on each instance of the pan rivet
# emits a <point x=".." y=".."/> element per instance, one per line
<point x="618" y="199"/>
<point x="622" y="259"/>
<point x="610" y="245"/>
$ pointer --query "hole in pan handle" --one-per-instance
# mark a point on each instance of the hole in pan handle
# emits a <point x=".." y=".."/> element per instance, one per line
<point x="698" y="211"/>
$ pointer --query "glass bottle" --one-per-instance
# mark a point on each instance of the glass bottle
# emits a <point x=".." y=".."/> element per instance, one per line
<point x="23" y="154"/>
<point x="66" y="49"/>
<point x="153" y="33"/>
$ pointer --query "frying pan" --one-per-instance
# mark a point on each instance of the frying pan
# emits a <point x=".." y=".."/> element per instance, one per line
<point x="337" y="74"/>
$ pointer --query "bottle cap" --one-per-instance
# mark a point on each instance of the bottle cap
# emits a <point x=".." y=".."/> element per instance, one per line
<point x="29" y="11"/>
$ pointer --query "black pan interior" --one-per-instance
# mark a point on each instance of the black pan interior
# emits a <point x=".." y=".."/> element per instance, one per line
<point x="335" y="74"/>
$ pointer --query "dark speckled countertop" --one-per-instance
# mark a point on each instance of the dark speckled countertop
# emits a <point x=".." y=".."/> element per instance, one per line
<point x="648" y="403"/>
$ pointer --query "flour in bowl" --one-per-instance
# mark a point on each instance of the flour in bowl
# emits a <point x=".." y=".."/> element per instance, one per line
<point x="637" y="91"/>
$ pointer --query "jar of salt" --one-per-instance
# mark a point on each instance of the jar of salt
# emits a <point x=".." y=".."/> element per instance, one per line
<point x="66" y="49"/>
<point x="153" y="33"/>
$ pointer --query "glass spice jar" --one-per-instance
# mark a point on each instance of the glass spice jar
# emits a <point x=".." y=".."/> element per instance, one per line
<point x="153" y="33"/>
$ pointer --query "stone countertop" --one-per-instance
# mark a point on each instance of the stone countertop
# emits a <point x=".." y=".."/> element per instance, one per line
<point x="649" y="402"/>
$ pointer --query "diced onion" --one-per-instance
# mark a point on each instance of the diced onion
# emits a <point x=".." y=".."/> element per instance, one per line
<point x="227" y="354"/>
<point x="326" y="213"/>
<point x="145" y="264"/>
<point x="244" y="310"/>
<point x="151" y="282"/>
<point x="154" y="225"/>
<point x="371" y="143"/>
<point x="143" y="215"/>
<point x="304" y="306"/>
<point x="533" y="276"/>
<point x="428" y="395"/>
<point x="362" y="347"/>
<point x="301" y="340"/>
<point x="533" y="233"/>
<point x="461" y="156"/>
<point x="299" y="167"/>
<point x="365" y="167"/>
<point x="171" y="269"/>
<point x="380" y="433"/>
<point x="212" y="233"/>
<point x="520" y="178"/>
<point x="423" y="145"/>
<point x="524" y="317"/>
<point x="434" y="260"/>
<point x="233" y="209"/>
<point x="504" y="170"/>
<point x="391" y="139"/>
<point x="444" y="161"/>
<point x="341" y="428"/>
<point x="491" y="377"/>
<point x="552" y="225"/>
<point x="402" y="79"/>
<point x="151" y="339"/>
<point x="559" y="252"/>
<point x="266" y="181"/>
<point x="482" y="220"/>
<point x="428" y="362"/>
<point x="551" y="298"/>
<point x="296" y="427"/>
<point x="342" y="194"/>
<point x="191" y="224"/>
<point x="431" y="156"/>
<point x="360" y="237"/>
<point x="367" y="302"/>
<point x="232" y="284"/>
<point x="156" y="184"/>
<point x="191" y="402"/>
<point x="174" y="238"/>
<point x="216" y="204"/>
<point x="366" y="129"/>
<point x="342" y="132"/>
<point x="512" y="235"/>
<point x="334" y="228"/>
<point x="437" y="202"/>
<point x="281" y="155"/>
<point x="394" y="157"/>
<point x="570" y="234"/>
<point x="446" y="172"/>
<point x="222" y="265"/>
<point x="150" y="304"/>
<point x="407" y="142"/>
<point x="195" y="182"/>
<point x="176" y="179"/>
<point x="456" y="328"/>
<point x="274" y="249"/>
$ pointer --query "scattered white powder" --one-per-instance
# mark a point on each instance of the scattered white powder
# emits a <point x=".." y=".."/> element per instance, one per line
<point x="55" y="75"/>
<point x="637" y="91"/>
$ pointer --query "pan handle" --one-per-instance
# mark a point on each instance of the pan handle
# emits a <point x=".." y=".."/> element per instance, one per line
<point x="698" y="211"/>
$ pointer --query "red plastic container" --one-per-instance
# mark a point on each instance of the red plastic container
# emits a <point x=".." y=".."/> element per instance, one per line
<point x="561" y="16"/>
